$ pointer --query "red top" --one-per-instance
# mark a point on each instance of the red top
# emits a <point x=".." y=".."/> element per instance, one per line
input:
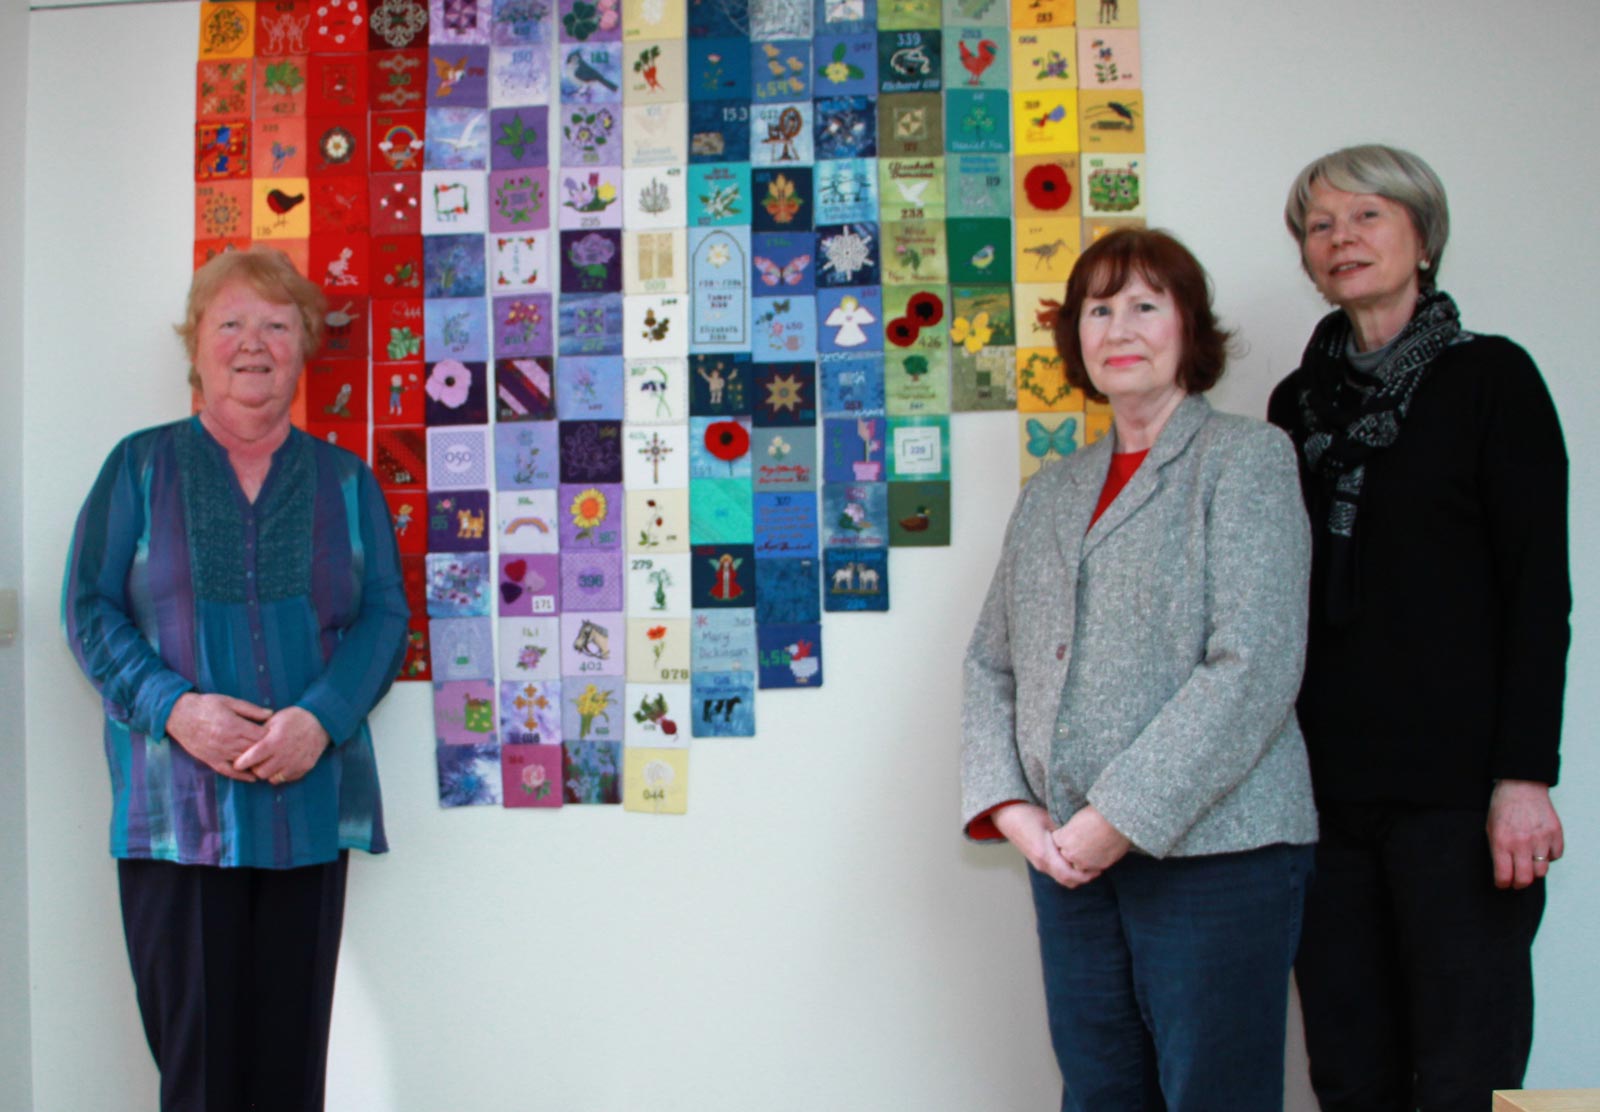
<point x="1123" y="466"/>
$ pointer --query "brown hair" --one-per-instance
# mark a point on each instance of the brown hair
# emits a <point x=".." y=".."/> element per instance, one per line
<point x="269" y="272"/>
<point x="1108" y="265"/>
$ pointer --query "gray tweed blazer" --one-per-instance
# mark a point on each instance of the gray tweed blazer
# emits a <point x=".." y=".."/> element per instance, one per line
<point x="1149" y="665"/>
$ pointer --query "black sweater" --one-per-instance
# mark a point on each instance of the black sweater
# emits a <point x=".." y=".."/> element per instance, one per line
<point x="1450" y="676"/>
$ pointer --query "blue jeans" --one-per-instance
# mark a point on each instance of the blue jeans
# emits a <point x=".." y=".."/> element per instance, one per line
<point x="1167" y="982"/>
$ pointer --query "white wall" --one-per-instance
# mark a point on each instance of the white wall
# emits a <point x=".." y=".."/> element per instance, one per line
<point x="814" y="934"/>
<point x="15" y="1059"/>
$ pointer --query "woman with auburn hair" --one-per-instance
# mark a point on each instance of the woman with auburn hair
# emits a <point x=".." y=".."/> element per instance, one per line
<point x="1129" y="718"/>
<point x="233" y="592"/>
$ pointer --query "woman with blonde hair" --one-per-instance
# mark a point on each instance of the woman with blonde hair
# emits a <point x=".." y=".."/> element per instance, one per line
<point x="1436" y="480"/>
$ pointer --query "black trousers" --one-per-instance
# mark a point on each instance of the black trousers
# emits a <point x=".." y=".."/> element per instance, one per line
<point x="234" y="973"/>
<point x="1414" y="969"/>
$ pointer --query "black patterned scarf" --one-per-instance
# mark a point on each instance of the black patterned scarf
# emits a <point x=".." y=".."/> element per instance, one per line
<point x="1347" y="416"/>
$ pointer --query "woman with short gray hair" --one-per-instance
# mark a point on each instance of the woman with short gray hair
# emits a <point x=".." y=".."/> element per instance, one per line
<point x="1436" y="479"/>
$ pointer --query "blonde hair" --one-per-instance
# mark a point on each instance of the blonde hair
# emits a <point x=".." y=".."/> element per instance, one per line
<point x="1389" y="172"/>
<point x="269" y="272"/>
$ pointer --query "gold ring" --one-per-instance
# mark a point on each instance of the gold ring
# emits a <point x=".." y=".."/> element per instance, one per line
<point x="1536" y="857"/>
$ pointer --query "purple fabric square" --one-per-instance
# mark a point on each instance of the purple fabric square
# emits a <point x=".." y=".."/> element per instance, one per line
<point x="591" y="261"/>
<point x="519" y="200"/>
<point x="458" y="76"/>
<point x="459" y="21"/>
<point x="591" y="581"/>
<point x="529" y="585"/>
<point x="591" y="451"/>
<point x="458" y="521"/>
<point x="591" y="134"/>
<point x="522" y="325"/>
<point x="591" y="517"/>
<point x="457" y="393"/>
<point x="524" y="390"/>
<point x="590" y="324"/>
<point x="519" y="138"/>
<point x="590" y="388"/>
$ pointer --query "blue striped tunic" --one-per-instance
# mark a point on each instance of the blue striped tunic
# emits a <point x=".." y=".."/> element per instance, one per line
<point x="177" y="582"/>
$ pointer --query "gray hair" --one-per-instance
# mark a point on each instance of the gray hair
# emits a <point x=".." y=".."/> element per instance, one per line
<point x="1389" y="172"/>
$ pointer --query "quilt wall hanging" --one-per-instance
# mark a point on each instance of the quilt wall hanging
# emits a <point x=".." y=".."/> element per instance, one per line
<point x="651" y="316"/>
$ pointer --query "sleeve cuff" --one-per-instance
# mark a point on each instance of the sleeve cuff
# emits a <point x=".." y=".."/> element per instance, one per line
<point x="981" y="827"/>
<point x="162" y="709"/>
<point x="329" y="717"/>
<point x="1146" y="837"/>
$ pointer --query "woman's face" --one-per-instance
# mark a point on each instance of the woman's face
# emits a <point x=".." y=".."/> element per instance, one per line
<point x="1361" y="250"/>
<point x="1132" y="343"/>
<point x="248" y="352"/>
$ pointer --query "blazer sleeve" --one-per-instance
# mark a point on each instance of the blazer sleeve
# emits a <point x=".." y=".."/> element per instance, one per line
<point x="135" y="684"/>
<point x="364" y="665"/>
<point x="1215" y="728"/>
<point x="991" y="767"/>
<point x="1524" y="491"/>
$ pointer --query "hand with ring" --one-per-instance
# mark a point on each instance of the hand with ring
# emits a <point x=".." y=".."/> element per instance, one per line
<point x="1525" y="835"/>
<point x="291" y="743"/>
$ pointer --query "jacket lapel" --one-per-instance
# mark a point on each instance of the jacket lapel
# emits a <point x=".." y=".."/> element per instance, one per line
<point x="1083" y="480"/>
<point x="1180" y="429"/>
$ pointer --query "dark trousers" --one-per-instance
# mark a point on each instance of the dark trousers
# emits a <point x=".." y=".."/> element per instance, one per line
<point x="1167" y="982"/>
<point x="234" y="973"/>
<point x="1414" y="970"/>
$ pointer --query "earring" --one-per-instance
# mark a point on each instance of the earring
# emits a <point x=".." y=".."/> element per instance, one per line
<point x="1423" y="265"/>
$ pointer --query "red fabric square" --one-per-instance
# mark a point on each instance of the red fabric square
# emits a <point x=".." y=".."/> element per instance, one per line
<point x="339" y="205"/>
<point x="336" y="85"/>
<point x="395" y="141"/>
<point x="397" y="79"/>
<point x="336" y="145"/>
<point x="397" y="266"/>
<point x="396" y="205"/>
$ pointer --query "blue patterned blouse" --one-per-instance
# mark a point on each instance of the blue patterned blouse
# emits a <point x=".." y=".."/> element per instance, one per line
<point x="177" y="582"/>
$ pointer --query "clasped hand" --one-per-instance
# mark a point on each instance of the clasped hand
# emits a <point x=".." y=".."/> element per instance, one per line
<point x="1073" y="854"/>
<point x="242" y="741"/>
